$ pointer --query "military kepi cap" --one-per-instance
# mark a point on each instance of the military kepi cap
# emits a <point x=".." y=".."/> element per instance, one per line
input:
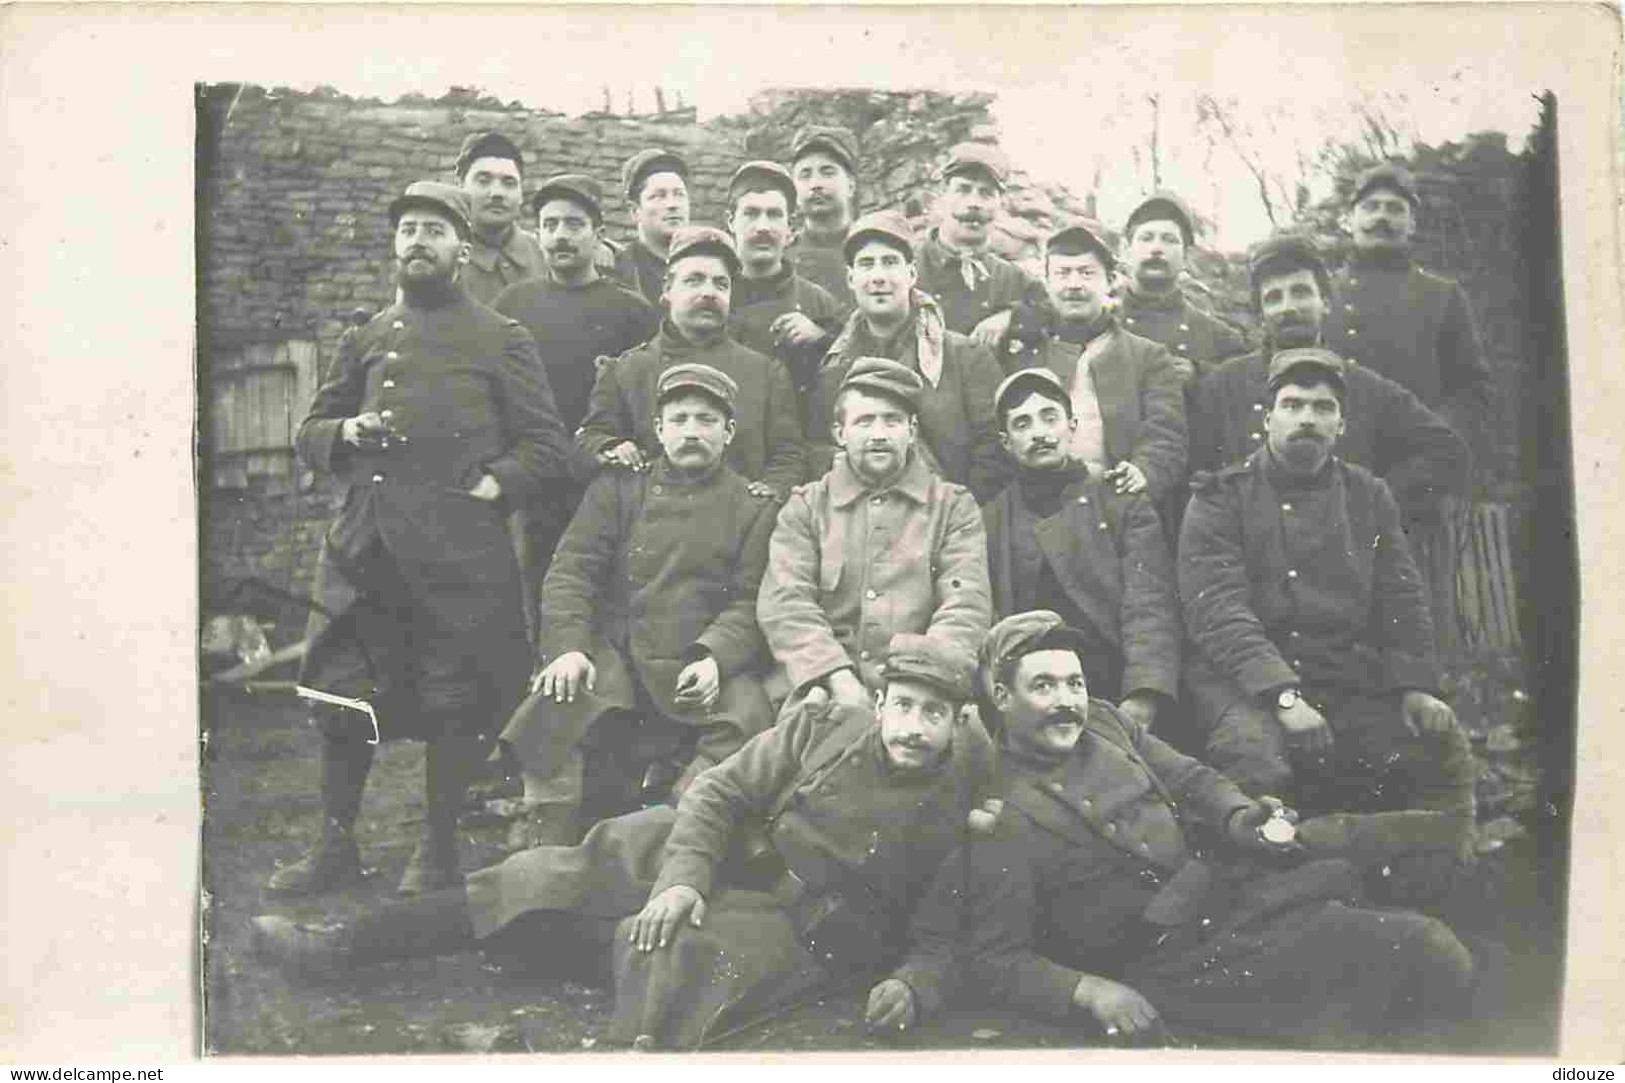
<point x="1023" y="633"/>
<point x="914" y="657"/>
<point x="487" y="145"/>
<point x="1039" y="379"/>
<point x="761" y="172"/>
<point x="977" y="158"/>
<point x="702" y="241"/>
<point x="694" y="376"/>
<point x="884" y="377"/>
<point x="445" y="198"/>
<point x="1329" y="364"/>
<point x="1388" y="175"/>
<point x="644" y="163"/>
<point x="1160" y="206"/>
<point x="888" y="226"/>
<point x="835" y="142"/>
<point x="1076" y="238"/>
<point x="577" y="188"/>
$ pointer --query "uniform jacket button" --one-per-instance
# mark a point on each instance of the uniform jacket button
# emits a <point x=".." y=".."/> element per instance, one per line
<point x="389" y="383"/>
<point x="1292" y="573"/>
<point x="392" y="355"/>
<point x="1258" y="407"/>
<point x="1111" y="829"/>
<point x="378" y="477"/>
<point x="871" y="595"/>
<point x="397" y="325"/>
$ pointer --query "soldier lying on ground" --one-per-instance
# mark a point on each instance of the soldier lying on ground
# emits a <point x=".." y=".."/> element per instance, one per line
<point x="861" y="804"/>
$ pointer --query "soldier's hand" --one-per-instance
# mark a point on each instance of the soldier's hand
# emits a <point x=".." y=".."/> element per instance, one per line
<point x="763" y="489"/>
<point x="1119" y="1009"/>
<point x="1306" y="729"/>
<point x="488" y="489"/>
<point x="1183" y="368"/>
<point x="984" y="817"/>
<point x="795" y="329"/>
<point x="1424" y="713"/>
<point x="1127" y="477"/>
<point x="364" y="430"/>
<point x="567" y="674"/>
<point x="816" y="701"/>
<point x="657" y="923"/>
<point x="891" y="1006"/>
<point x="1243" y="828"/>
<point x="1140" y="707"/>
<point x="698" y="683"/>
<point x="991" y="331"/>
<point x="846" y="689"/>
<point x="625" y="454"/>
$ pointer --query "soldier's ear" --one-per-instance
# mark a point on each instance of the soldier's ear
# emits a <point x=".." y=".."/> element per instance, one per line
<point x="1000" y="696"/>
<point x="465" y="250"/>
<point x="729" y="428"/>
<point x="1004" y="439"/>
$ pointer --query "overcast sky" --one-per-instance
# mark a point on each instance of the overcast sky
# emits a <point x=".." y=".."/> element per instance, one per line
<point x="1072" y="82"/>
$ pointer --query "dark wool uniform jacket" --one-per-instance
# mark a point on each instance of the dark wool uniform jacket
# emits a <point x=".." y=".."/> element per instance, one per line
<point x="1108" y="553"/>
<point x="466" y="396"/>
<point x="490" y="270"/>
<point x="767" y="443"/>
<point x="956" y="417"/>
<point x="1142" y="404"/>
<point x="1285" y="583"/>
<point x="1006" y="287"/>
<point x="754" y="307"/>
<point x="822" y="264"/>
<point x="1059" y="888"/>
<point x="1388" y="431"/>
<point x="655" y="567"/>
<point x="1414" y="327"/>
<point x="1190" y="334"/>
<point x="638" y="269"/>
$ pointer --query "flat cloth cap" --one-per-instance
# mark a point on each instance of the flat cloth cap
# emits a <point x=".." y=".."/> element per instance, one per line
<point x="702" y="241"/>
<point x="921" y="658"/>
<point x="1388" y="175"/>
<point x="836" y="142"/>
<point x="1330" y="365"/>
<point x="888" y="378"/>
<point x="763" y="172"/>
<point x="977" y="158"/>
<point x="445" y="198"/>
<point x="577" y="188"/>
<point x="1159" y="206"/>
<point x="888" y="226"/>
<point x="1078" y="237"/>
<point x="487" y="145"/>
<point x="1023" y="633"/>
<point x="1029" y="380"/>
<point x="641" y="165"/>
<point x="703" y="378"/>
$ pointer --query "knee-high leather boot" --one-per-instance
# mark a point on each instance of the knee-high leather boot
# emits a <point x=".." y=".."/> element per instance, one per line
<point x="450" y="764"/>
<point x="334" y="860"/>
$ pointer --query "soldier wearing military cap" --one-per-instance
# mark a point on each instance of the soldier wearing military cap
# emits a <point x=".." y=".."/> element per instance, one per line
<point x="655" y="182"/>
<point x="1313" y="672"/>
<point x="896" y="320"/>
<point x="1064" y="536"/>
<point x="879" y="545"/>
<point x="701" y="277"/>
<point x="980" y="292"/>
<point x="774" y="309"/>
<point x="824" y="166"/>
<point x="439" y="416"/>
<point x="1127" y="398"/>
<point x="1140" y="895"/>
<point x="855" y="808"/>
<point x="1158" y="241"/>
<point x="576" y="315"/>
<point x="490" y="170"/>
<point x="650" y="636"/>
<point x="1387" y="429"/>
<point x="1408" y="324"/>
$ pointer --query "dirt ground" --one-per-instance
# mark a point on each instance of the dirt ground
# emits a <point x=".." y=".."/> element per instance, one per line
<point x="261" y="810"/>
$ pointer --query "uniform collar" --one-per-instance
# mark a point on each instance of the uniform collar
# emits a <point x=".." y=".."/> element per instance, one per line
<point x="935" y="254"/>
<point x="1083" y="336"/>
<point x="750" y="291"/>
<point x="664" y="473"/>
<point x="846" y="488"/>
<point x="672" y="341"/>
<point x="1172" y="301"/>
<point x="1381" y="259"/>
<point x="512" y="249"/>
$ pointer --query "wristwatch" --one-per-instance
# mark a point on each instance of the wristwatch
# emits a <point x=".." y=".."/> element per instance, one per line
<point x="1286" y="699"/>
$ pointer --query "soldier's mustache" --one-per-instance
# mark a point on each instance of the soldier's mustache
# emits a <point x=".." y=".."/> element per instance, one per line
<point x="1063" y="716"/>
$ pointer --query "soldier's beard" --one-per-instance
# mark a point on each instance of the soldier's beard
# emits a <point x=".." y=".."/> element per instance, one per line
<point x="1289" y="334"/>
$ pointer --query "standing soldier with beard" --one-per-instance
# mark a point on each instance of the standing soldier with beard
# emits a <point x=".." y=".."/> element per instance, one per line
<point x="1157" y="243"/>
<point x="576" y="316"/>
<point x="981" y="294"/>
<point x="1409" y="325"/>
<point x="825" y="170"/>
<point x="656" y="186"/>
<point x="774" y="310"/>
<point x="440" y="417"/>
<point x="1388" y="430"/>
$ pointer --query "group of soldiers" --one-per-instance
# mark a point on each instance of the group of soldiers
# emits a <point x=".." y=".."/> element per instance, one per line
<point x="891" y="614"/>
